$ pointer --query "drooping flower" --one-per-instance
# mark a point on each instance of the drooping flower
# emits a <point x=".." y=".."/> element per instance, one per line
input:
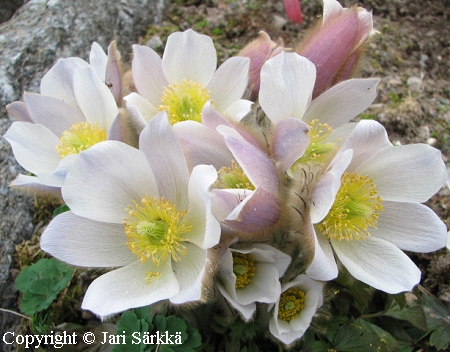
<point x="141" y="212"/>
<point x="337" y="45"/>
<point x="299" y="301"/>
<point x="74" y="111"/>
<point x="367" y="210"/>
<point x="250" y="274"/>
<point x="186" y="78"/>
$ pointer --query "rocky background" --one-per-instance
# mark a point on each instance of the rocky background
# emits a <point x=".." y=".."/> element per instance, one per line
<point x="411" y="56"/>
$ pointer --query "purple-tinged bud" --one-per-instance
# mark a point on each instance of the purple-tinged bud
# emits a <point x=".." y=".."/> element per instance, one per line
<point x="293" y="10"/>
<point x="336" y="45"/>
<point x="259" y="51"/>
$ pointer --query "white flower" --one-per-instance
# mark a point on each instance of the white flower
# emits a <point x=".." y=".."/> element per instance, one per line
<point x="299" y="301"/>
<point x="251" y="274"/>
<point x="367" y="210"/>
<point x="74" y="111"/>
<point x="141" y="212"/>
<point x="186" y="78"/>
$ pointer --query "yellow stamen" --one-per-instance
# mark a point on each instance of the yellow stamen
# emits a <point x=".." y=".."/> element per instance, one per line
<point x="184" y="101"/>
<point x="233" y="177"/>
<point x="79" y="137"/>
<point x="291" y="304"/>
<point x="243" y="268"/>
<point x="154" y="229"/>
<point x="355" y="209"/>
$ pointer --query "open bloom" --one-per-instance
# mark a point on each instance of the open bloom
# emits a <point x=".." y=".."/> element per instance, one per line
<point x="141" y="212"/>
<point x="299" y="301"/>
<point x="251" y="274"/>
<point x="367" y="209"/>
<point x="74" y="111"/>
<point x="186" y="78"/>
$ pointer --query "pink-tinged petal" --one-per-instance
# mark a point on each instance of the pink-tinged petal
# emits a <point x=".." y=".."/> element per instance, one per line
<point x="205" y="231"/>
<point x="406" y="173"/>
<point x="289" y="141"/>
<point x="145" y="108"/>
<point x="19" y="111"/>
<point x="378" y="263"/>
<point x="229" y="82"/>
<point x="366" y="139"/>
<point x="238" y="109"/>
<point x="191" y="56"/>
<point x="58" y="82"/>
<point x="99" y="185"/>
<point x="211" y="118"/>
<point x="293" y="10"/>
<point x="189" y="272"/>
<point x="33" y="146"/>
<point x="148" y="76"/>
<point x="326" y="188"/>
<point x="202" y="145"/>
<point x="113" y="76"/>
<point x="83" y="242"/>
<point x="342" y="102"/>
<point x="224" y="201"/>
<point x="126" y="288"/>
<point x="165" y="156"/>
<point x="98" y="60"/>
<point x="287" y="81"/>
<point x="323" y="267"/>
<point x="411" y="227"/>
<point x="259" y="211"/>
<point x="53" y="113"/>
<point x="259" y="169"/>
<point x="127" y="127"/>
<point x="94" y="98"/>
<point x="32" y="183"/>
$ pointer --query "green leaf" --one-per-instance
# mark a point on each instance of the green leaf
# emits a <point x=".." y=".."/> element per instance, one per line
<point x="61" y="209"/>
<point x="243" y="331"/>
<point x="414" y="314"/>
<point x="175" y="330"/>
<point x="41" y="283"/>
<point x="440" y="338"/>
<point x="438" y="320"/>
<point x="131" y="326"/>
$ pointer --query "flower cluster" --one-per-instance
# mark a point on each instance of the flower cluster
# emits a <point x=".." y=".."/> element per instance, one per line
<point x="187" y="192"/>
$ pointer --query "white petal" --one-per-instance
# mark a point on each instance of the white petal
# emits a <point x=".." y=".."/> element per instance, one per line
<point x="191" y="56"/>
<point x="205" y="231"/>
<point x="378" y="263"/>
<point x="247" y="311"/>
<point x="323" y="267"/>
<point x="406" y="173"/>
<point x="229" y="82"/>
<point x="53" y="113"/>
<point x="145" y="108"/>
<point x="58" y="82"/>
<point x="148" y="75"/>
<point x="342" y="102"/>
<point x="287" y="82"/>
<point x="19" y="111"/>
<point x="83" y="242"/>
<point x="33" y="146"/>
<point x="237" y="110"/>
<point x="94" y="98"/>
<point x="126" y="288"/>
<point x="98" y="60"/>
<point x="106" y="179"/>
<point x="331" y="9"/>
<point x="58" y="175"/>
<point x="264" y="286"/>
<point x="32" y="183"/>
<point x="165" y="156"/>
<point x="411" y="227"/>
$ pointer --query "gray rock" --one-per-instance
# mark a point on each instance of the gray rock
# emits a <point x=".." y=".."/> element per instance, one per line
<point x="37" y="35"/>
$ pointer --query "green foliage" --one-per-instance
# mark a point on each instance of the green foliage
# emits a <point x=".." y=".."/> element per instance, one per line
<point x="40" y="284"/>
<point x="243" y="331"/>
<point x="61" y="209"/>
<point x="438" y="321"/>
<point x="164" y="334"/>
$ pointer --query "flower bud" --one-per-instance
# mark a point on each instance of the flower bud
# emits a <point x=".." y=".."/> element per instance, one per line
<point x="336" y="45"/>
<point x="293" y="10"/>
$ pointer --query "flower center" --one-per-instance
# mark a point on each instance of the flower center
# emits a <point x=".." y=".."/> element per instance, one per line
<point x="233" y="177"/>
<point x="355" y="209"/>
<point x="154" y="230"/>
<point x="318" y="150"/>
<point x="243" y="268"/>
<point x="184" y="101"/>
<point x="291" y="303"/>
<point x="81" y="136"/>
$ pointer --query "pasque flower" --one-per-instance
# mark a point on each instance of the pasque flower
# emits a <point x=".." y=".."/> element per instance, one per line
<point x="299" y="301"/>
<point x="74" y="111"/>
<point x="251" y="273"/>
<point x="186" y="78"/>
<point x="367" y="209"/>
<point x="141" y="212"/>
